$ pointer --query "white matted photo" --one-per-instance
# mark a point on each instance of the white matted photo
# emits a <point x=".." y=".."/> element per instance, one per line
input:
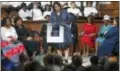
<point x="55" y="39"/>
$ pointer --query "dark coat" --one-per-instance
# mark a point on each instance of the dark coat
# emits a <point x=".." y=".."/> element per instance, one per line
<point x="22" y="32"/>
<point x="74" y="32"/>
<point x="111" y="41"/>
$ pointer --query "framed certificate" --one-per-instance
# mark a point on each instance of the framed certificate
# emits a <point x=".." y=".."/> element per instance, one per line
<point x="55" y="34"/>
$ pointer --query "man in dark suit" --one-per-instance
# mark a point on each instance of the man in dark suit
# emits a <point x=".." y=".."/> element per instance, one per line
<point x="74" y="31"/>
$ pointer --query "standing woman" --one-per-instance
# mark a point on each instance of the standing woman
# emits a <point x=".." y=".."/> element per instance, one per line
<point x="60" y="17"/>
<point x="88" y="36"/>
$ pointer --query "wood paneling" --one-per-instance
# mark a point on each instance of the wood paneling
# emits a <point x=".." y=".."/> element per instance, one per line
<point x="36" y="25"/>
<point x="109" y="9"/>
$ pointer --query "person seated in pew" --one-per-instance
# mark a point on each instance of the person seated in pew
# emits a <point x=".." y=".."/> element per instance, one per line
<point x="105" y="27"/>
<point x="24" y="13"/>
<point x="89" y="10"/>
<point x="88" y="36"/>
<point x="10" y="46"/>
<point x="36" y="13"/>
<point x="47" y="11"/>
<point x="26" y="37"/>
<point x="111" y="42"/>
<point x="21" y="30"/>
<point x="74" y="10"/>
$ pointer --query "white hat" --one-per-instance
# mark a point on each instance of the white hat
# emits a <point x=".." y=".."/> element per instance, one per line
<point x="106" y="17"/>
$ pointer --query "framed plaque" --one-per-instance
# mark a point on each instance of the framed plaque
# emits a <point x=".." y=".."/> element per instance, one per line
<point x="55" y="34"/>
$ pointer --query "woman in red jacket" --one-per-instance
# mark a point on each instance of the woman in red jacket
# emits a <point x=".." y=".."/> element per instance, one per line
<point x="88" y="36"/>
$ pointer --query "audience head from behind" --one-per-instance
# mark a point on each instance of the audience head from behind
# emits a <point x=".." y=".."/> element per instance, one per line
<point x="77" y="60"/>
<point x="112" y="64"/>
<point x="57" y="60"/>
<point x="33" y="66"/>
<point x="57" y="7"/>
<point x="51" y="59"/>
<point x="94" y="60"/>
<point x="106" y="19"/>
<point x="102" y="61"/>
<point x="48" y="59"/>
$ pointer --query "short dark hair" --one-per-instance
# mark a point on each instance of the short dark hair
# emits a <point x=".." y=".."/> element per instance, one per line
<point x="56" y="3"/>
<point x="48" y="59"/>
<point x="94" y="60"/>
<point x="77" y="60"/>
<point x="16" y="19"/>
<point x="33" y="66"/>
<point x="57" y="60"/>
<point x="23" y="5"/>
<point x="51" y="59"/>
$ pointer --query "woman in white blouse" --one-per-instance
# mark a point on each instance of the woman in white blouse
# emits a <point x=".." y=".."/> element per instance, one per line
<point x="13" y="48"/>
<point x="24" y="13"/>
<point x="74" y="10"/>
<point x="8" y="33"/>
<point x="47" y="11"/>
<point x="89" y="10"/>
<point x="36" y="13"/>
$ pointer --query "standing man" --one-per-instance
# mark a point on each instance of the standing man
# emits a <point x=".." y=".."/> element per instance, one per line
<point x="74" y="31"/>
